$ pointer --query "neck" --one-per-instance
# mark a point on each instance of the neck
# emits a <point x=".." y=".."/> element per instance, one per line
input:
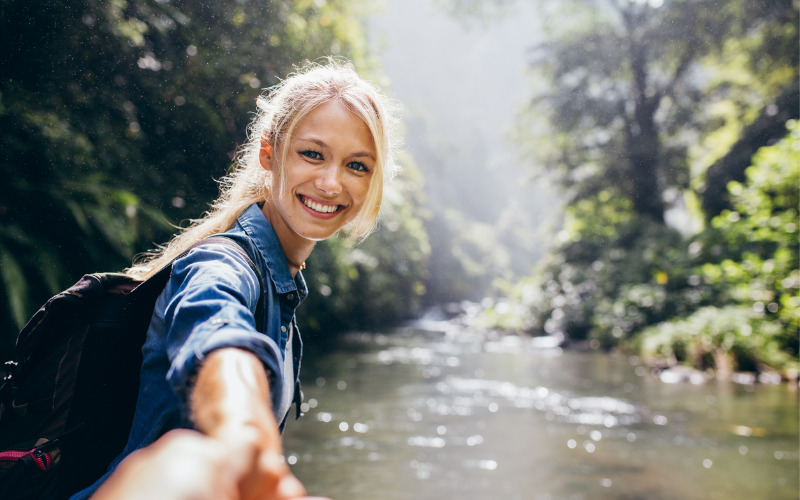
<point x="295" y="267"/>
<point x="296" y="254"/>
<point x="295" y="248"/>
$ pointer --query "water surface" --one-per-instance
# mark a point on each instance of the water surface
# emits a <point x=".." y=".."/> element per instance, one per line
<point x="420" y="416"/>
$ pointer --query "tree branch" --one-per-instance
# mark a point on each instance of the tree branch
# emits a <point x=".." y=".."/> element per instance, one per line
<point x="769" y="127"/>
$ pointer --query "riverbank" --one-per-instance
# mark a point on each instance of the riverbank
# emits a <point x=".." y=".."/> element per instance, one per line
<point x="470" y="319"/>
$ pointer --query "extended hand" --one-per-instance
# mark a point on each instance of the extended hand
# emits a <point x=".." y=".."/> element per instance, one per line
<point x="186" y="465"/>
<point x="230" y="404"/>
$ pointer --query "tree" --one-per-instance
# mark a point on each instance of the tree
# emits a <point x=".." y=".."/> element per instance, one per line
<point x="767" y="128"/>
<point x="754" y="106"/>
<point x="636" y="104"/>
<point x="627" y="89"/>
<point x="748" y="257"/>
<point x="622" y="85"/>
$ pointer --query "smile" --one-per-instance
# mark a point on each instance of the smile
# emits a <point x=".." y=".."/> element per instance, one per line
<point x="319" y="207"/>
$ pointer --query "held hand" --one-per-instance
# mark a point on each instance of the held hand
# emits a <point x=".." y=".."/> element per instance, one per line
<point x="260" y="470"/>
<point x="182" y="464"/>
<point x="230" y="403"/>
<point x="186" y="465"/>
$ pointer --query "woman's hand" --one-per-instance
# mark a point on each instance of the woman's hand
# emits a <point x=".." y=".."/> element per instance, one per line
<point x="259" y="469"/>
<point x="236" y="455"/>
<point x="231" y="404"/>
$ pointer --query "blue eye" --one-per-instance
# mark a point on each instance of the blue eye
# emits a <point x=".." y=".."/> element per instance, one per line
<point x="314" y="155"/>
<point x="358" y="166"/>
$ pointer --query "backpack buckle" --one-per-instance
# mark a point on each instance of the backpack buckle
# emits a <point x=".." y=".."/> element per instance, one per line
<point x="7" y="388"/>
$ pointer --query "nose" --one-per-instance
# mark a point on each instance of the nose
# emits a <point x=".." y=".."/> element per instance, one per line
<point x="329" y="181"/>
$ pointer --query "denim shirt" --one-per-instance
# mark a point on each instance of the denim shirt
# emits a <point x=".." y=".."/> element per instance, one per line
<point x="209" y="303"/>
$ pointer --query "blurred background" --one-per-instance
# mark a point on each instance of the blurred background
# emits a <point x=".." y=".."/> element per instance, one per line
<point x="585" y="281"/>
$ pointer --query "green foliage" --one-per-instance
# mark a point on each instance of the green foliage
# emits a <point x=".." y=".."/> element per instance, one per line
<point x="723" y="338"/>
<point x="471" y="242"/>
<point x="749" y="261"/>
<point x="634" y="101"/>
<point x="14" y="282"/>
<point x="614" y="273"/>
<point x="753" y="249"/>
<point x="514" y="311"/>
<point x="727" y="298"/>
<point x="467" y="256"/>
<point x="118" y="116"/>
<point x="623" y="91"/>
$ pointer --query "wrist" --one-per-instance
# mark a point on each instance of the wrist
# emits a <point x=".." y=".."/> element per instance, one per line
<point x="231" y="391"/>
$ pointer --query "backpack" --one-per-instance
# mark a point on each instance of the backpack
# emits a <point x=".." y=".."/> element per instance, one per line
<point x="68" y="399"/>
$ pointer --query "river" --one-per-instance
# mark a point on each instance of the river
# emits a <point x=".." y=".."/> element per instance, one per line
<point x="419" y="414"/>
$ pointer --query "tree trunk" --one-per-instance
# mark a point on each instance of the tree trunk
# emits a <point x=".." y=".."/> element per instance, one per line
<point x="643" y="158"/>
<point x="642" y="143"/>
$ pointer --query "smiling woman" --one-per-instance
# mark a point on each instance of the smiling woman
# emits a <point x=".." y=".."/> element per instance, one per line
<point x="222" y="354"/>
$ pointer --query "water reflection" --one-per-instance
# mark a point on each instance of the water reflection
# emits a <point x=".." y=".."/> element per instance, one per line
<point x="437" y="416"/>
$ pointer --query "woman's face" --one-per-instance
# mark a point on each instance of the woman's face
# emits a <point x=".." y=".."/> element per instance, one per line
<point x="330" y="162"/>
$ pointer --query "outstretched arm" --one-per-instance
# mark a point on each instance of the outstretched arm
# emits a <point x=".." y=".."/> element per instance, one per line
<point x="230" y="402"/>
<point x="236" y="457"/>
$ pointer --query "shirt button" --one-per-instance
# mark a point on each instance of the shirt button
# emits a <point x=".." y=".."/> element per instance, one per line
<point x="283" y="329"/>
<point x="291" y="296"/>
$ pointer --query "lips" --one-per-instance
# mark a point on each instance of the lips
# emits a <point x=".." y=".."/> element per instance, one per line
<point x="321" y="208"/>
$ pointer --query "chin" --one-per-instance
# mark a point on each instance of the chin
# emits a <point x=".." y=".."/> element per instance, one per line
<point x="317" y="236"/>
<point x="318" y="239"/>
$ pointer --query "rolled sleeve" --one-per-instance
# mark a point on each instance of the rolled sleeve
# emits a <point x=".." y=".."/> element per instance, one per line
<point x="214" y="295"/>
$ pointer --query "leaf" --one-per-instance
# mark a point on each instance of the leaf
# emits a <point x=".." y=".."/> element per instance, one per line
<point x="16" y="287"/>
<point x="52" y="269"/>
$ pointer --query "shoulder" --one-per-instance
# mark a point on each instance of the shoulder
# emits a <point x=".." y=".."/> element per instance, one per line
<point x="216" y="263"/>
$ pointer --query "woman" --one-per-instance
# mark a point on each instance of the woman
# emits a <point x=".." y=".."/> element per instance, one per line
<point x="315" y="162"/>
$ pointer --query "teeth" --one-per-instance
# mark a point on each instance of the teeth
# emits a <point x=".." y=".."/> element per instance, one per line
<point x="319" y="207"/>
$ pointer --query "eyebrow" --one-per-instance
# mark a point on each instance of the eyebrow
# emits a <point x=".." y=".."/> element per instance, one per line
<point x="323" y="144"/>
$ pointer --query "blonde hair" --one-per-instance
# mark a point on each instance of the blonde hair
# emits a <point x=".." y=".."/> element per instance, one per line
<point x="279" y="110"/>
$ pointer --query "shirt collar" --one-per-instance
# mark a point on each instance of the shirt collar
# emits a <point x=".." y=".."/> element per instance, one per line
<point x="258" y="228"/>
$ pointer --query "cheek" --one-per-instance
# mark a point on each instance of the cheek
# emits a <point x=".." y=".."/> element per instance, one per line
<point x="294" y="174"/>
<point x="360" y="193"/>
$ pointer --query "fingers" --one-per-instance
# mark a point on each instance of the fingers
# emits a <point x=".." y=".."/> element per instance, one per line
<point x="290" y="487"/>
<point x="181" y="465"/>
<point x="186" y="465"/>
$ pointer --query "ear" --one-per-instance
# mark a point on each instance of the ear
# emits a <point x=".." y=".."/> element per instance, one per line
<point x="265" y="153"/>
